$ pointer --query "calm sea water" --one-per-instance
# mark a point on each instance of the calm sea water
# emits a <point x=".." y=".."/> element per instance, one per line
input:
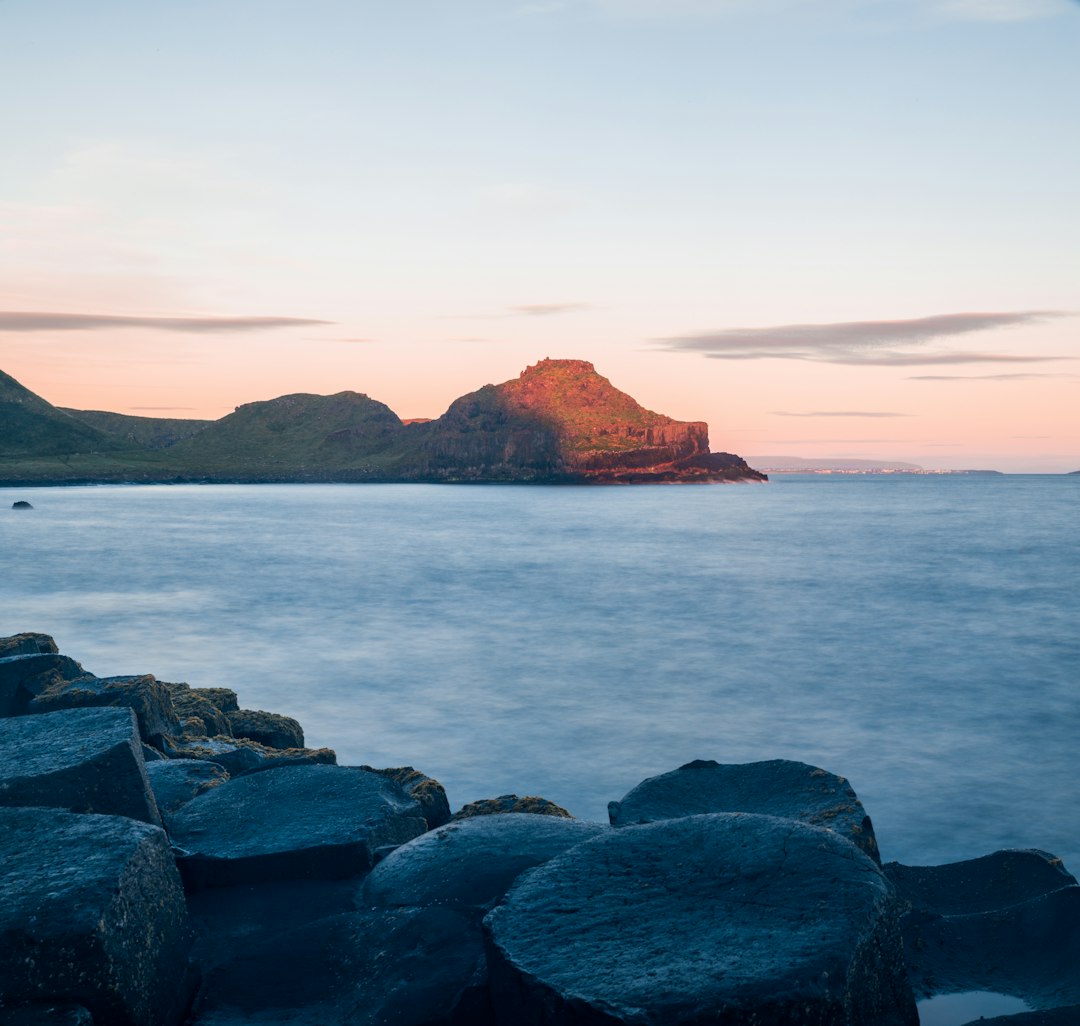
<point x="918" y="635"/>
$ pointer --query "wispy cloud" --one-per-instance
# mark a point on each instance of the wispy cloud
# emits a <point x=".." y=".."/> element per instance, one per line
<point x="887" y="343"/>
<point x="26" y="321"/>
<point x="547" y="309"/>
<point x="983" y="377"/>
<point x="837" y="413"/>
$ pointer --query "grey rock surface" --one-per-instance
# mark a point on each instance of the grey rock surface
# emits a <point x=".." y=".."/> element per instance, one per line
<point x="979" y="885"/>
<point x="1030" y="950"/>
<point x="92" y="911"/>
<point x="1052" y="1017"/>
<point x="270" y="729"/>
<point x="144" y="693"/>
<point x="175" y="782"/>
<point x="529" y="803"/>
<point x="24" y="674"/>
<point x="239" y="755"/>
<point x="472" y="862"/>
<point x="408" y="967"/>
<point x="83" y="760"/>
<point x="427" y="791"/>
<point x="298" y="822"/>
<point x="27" y="643"/>
<point x="740" y="919"/>
<point x="777" y="787"/>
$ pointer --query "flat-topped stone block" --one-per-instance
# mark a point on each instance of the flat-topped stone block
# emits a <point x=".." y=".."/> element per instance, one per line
<point x="409" y="967"/>
<point x="144" y="693"/>
<point x="83" y="760"/>
<point x="472" y="862"/>
<point x="25" y="673"/>
<point x="239" y="755"/>
<point x="990" y="882"/>
<point x="175" y="782"/>
<point x="297" y="822"/>
<point x="91" y="911"/>
<point x="740" y="919"/>
<point x="777" y="787"/>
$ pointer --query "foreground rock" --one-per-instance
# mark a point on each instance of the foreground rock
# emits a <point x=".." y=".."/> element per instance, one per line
<point x="472" y="862"/>
<point x="743" y="919"/>
<point x="409" y="967"/>
<point x="91" y="909"/>
<point x="299" y="822"/>
<point x="147" y="696"/>
<point x="24" y="673"/>
<point x="778" y="787"/>
<point x="239" y="755"/>
<point x="83" y="760"/>
<point x="511" y="803"/>
<point x="270" y="729"/>
<point x="175" y="782"/>
<point x="427" y="791"/>
<point x="991" y="882"/>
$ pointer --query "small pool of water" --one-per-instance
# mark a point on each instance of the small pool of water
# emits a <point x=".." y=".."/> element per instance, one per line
<point x="960" y="1009"/>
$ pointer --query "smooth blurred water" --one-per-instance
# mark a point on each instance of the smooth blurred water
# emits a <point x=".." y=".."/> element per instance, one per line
<point x="918" y="635"/>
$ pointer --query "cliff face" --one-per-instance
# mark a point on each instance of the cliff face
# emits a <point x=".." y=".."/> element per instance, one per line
<point x="560" y="419"/>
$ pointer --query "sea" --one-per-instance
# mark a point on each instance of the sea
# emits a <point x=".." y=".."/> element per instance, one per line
<point x="916" y="634"/>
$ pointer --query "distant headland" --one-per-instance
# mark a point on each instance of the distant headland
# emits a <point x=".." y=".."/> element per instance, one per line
<point x="559" y="421"/>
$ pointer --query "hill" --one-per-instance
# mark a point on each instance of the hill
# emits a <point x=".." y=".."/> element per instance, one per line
<point x="557" y="421"/>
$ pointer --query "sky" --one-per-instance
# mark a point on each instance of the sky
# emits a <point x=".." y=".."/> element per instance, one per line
<point x="829" y="228"/>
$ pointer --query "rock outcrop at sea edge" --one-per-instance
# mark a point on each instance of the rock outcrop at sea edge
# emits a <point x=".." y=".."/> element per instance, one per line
<point x="559" y="421"/>
<point x="282" y="887"/>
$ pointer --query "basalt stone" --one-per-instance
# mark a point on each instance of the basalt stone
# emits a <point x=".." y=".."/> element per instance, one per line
<point x="270" y="729"/>
<point x="472" y="862"/>
<point x="409" y="967"/>
<point x="48" y="1013"/>
<point x="24" y="675"/>
<point x="240" y="756"/>
<point x="224" y="698"/>
<point x="1030" y="950"/>
<point x="300" y="822"/>
<point x="92" y="912"/>
<point x="83" y="760"/>
<point x="778" y="787"/>
<point x="428" y="792"/>
<point x="979" y="885"/>
<point x="175" y="782"/>
<point x="510" y="803"/>
<point x="1052" y="1017"/>
<point x="144" y="693"/>
<point x="740" y="919"/>
<point x="198" y="714"/>
<point x="28" y="643"/>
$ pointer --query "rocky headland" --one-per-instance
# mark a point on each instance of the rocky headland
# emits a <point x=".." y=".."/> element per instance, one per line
<point x="559" y="421"/>
<point x="170" y="858"/>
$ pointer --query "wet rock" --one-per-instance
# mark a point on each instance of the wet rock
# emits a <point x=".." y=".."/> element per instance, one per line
<point x="299" y="822"/>
<point x="143" y="693"/>
<point x="472" y="862"/>
<point x="409" y="967"/>
<point x="21" y="504"/>
<point x="979" y="885"/>
<point x="28" y="643"/>
<point x="24" y="675"/>
<point x="270" y="729"/>
<point x="743" y="919"/>
<point x="227" y="920"/>
<point x="428" y="792"/>
<point x="1030" y="950"/>
<point x="175" y="782"/>
<point x="510" y="803"/>
<point x="198" y="714"/>
<point x="1052" y="1017"/>
<point x="92" y="909"/>
<point x="240" y="756"/>
<point x="83" y="760"/>
<point x="778" y="787"/>
<point x="48" y="1013"/>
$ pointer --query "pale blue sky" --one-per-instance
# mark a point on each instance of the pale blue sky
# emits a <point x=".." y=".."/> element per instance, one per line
<point x="474" y="185"/>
